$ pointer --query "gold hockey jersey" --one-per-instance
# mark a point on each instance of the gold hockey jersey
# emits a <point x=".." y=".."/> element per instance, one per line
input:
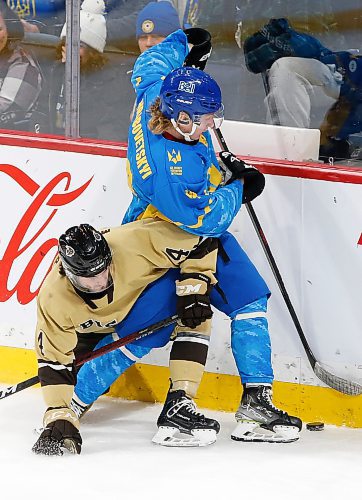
<point x="142" y="252"/>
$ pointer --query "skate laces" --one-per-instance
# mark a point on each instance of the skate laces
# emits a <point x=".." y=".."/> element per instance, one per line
<point x="266" y="397"/>
<point x="186" y="403"/>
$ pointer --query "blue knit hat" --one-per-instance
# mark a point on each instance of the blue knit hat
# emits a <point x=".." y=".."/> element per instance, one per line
<point x="160" y="18"/>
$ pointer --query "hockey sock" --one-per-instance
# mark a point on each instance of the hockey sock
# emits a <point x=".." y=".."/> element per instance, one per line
<point x="96" y="376"/>
<point x="250" y="343"/>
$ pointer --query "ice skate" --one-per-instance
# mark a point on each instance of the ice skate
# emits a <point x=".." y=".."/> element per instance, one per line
<point x="259" y="420"/>
<point x="179" y="423"/>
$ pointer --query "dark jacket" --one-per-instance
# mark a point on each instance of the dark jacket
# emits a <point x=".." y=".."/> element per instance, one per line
<point x="106" y="100"/>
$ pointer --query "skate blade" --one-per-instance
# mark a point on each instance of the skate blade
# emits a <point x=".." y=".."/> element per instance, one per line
<point x="252" y="432"/>
<point x="170" y="436"/>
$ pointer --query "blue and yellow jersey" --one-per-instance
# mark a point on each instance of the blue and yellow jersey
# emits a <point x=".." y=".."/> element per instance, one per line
<point x="173" y="180"/>
<point x="33" y="9"/>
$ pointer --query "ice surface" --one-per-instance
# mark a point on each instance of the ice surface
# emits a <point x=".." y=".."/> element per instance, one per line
<point x="118" y="461"/>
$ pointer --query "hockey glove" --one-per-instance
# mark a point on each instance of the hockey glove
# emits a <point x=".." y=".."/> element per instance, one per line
<point x="201" y="50"/>
<point x="57" y="435"/>
<point x="254" y="181"/>
<point x="278" y="39"/>
<point x="267" y="45"/>
<point x="193" y="300"/>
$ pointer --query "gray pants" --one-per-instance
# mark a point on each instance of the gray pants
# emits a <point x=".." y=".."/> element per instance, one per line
<point x="292" y="83"/>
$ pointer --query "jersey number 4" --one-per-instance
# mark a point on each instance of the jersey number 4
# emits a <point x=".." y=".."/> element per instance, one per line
<point x="177" y="255"/>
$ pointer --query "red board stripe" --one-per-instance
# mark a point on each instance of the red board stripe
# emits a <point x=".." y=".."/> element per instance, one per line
<point x="283" y="168"/>
<point x="58" y="143"/>
<point x="318" y="171"/>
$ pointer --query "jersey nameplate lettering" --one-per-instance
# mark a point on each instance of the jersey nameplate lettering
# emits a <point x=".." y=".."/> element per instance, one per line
<point x="94" y="322"/>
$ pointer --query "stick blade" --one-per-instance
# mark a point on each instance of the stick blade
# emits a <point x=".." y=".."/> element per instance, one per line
<point x="338" y="383"/>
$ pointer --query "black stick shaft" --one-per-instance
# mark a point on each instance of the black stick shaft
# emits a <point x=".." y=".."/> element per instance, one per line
<point x="9" y="391"/>
<point x="273" y="265"/>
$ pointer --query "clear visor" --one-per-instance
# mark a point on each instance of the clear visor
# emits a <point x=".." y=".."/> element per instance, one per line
<point x="91" y="284"/>
<point x="210" y="120"/>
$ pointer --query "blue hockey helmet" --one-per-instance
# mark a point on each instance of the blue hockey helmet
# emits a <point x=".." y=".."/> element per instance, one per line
<point x="192" y="91"/>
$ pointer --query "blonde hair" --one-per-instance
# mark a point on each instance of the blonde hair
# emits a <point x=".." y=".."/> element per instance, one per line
<point x="158" y="122"/>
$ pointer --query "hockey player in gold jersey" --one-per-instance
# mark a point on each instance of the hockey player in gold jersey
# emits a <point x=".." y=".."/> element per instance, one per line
<point x="97" y="282"/>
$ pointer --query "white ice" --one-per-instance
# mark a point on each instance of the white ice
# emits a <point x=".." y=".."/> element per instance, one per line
<point x="119" y="462"/>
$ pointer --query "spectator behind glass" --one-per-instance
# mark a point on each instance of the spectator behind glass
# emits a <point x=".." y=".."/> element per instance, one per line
<point x="154" y="23"/>
<point x="122" y="17"/>
<point x="20" y="78"/>
<point x="100" y="108"/>
<point x="296" y="64"/>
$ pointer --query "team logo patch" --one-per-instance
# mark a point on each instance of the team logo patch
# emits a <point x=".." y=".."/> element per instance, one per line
<point x="352" y="65"/>
<point x="174" y="157"/>
<point x="148" y="26"/>
<point x="69" y="251"/>
<point x="187" y="87"/>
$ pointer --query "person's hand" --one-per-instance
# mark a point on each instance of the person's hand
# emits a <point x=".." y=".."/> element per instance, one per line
<point x="200" y="41"/>
<point x="29" y="27"/>
<point x="234" y="168"/>
<point x="57" y="436"/>
<point x="193" y="302"/>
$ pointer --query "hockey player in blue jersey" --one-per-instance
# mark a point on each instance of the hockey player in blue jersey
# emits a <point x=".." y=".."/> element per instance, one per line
<point x="174" y="175"/>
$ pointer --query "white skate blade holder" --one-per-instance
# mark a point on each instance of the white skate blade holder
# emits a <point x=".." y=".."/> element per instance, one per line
<point x="171" y="436"/>
<point x="248" y="430"/>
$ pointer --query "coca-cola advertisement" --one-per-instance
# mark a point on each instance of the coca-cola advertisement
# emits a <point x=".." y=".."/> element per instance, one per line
<point x="311" y="218"/>
<point x="43" y="193"/>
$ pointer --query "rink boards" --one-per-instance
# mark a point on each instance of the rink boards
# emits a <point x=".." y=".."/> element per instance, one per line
<point x="311" y="215"/>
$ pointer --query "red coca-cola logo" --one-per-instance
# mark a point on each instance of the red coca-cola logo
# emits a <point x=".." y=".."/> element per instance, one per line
<point x="20" y="241"/>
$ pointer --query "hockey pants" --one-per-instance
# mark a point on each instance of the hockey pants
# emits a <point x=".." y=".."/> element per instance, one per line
<point x="243" y="298"/>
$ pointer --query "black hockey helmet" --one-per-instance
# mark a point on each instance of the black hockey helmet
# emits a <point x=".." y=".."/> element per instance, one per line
<point x="84" y="252"/>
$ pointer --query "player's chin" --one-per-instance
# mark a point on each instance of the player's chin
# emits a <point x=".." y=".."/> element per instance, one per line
<point x="196" y="136"/>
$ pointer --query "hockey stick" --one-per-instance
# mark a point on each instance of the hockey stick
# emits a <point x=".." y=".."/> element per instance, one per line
<point x="95" y="354"/>
<point x="337" y="383"/>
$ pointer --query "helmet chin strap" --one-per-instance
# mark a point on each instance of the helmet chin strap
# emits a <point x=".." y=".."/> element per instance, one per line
<point x="186" y="136"/>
